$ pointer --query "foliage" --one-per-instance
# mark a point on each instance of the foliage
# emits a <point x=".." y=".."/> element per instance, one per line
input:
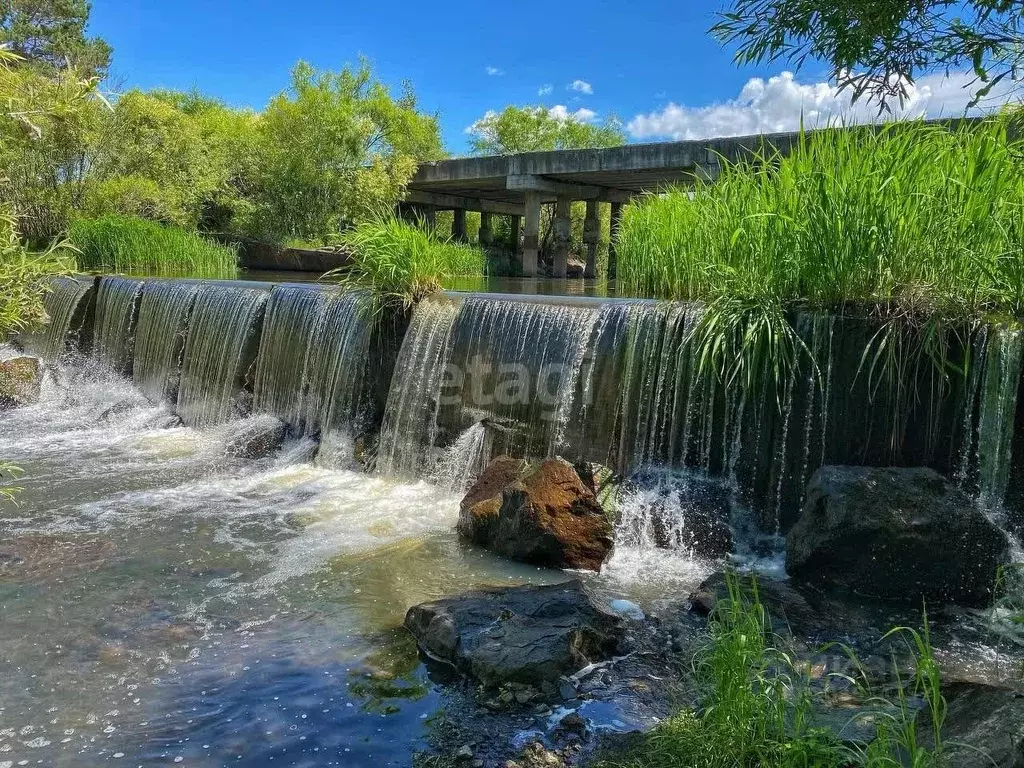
<point x="917" y="223"/>
<point x="127" y="244"/>
<point x="879" y="47"/>
<point x="757" y="704"/>
<point x="24" y="277"/>
<point x="335" y="149"/>
<point x="536" y="129"/>
<point x="172" y="157"/>
<point x="50" y="36"/>
<point x="49" y="124"/>
<point x="401" y="263"/>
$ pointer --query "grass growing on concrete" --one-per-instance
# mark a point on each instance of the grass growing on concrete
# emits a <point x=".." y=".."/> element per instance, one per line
<point x="757" y="705"/>
<point x="916" y="224"/>
<point x="401" y="263"/>
<point x="126" y="244"/>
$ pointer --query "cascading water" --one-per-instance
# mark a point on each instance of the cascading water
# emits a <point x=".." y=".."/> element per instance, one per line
<point x="62" y="304"/>
<point x="117" y="304"/>
<point x="312" y="360"/>
<point x="996" y="418"/>
<point x="160" y="337"/>
<point x="222" y="342"/>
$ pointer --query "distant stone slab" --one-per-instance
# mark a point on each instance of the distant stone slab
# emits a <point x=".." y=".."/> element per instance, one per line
<point x="543" y="514"/>
<point x="895" y="533"/>
<point x="20" y="379"/>
<point x="529" y="635"/>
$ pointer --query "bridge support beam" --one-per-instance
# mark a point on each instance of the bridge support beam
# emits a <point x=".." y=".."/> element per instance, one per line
<point x="459" y="226"/>
<point x="486" y="235"/>
<point x="561" y="236"/>
<point x="591" y="237"/>
<point x="531" y="235"/>
<point x="613" y="233"/>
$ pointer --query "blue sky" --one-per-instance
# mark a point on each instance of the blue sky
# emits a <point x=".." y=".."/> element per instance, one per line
<point x="651" y="62"/>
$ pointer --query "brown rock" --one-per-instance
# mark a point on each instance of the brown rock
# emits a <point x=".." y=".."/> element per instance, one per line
<point x="542" y="514"/>
<point x="19" y="382"/>
<point x="38" y="558"/>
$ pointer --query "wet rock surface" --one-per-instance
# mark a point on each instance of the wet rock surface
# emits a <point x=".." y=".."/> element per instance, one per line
<point x="984" y="727"/>
<point x="257" y="438"/>
<point x="896" y="534"/>
<point x="543" y="514"/>
<point x="37" y="558"/>
<point x="20" y="381"/>
<point x="528" y="635"/>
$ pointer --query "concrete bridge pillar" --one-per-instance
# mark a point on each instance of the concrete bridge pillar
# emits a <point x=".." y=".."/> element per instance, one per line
<point x="562" y="237"/>
<point x="615" y="220"/>
<point x="428" y="214"/>
<point x="486" y="230"/>
<point x="531" y="234"/>
<point x="459" y="226"/>
<point x="591" y="236"/>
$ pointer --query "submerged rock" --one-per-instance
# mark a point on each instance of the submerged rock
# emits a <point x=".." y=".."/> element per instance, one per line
<point x="542" y="514"/>
<point x="257" y="437"/>
<point x="531" y="635"/>
<point x="38" y="558"/>
<point x="895" y="533"/>
<point x="20" y="380"/>
<point x="984" y="727"/>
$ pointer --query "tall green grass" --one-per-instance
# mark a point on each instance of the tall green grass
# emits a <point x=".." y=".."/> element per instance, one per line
<point x="758" y="705"/>
<point x="401" y="263"/>
<point x="920" y="225"/>
<point x="127" y="244"/>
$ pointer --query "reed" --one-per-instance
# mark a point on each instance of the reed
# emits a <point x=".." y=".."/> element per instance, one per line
<point x="126" y="244"/>
<point x="757" y="704"/>
<point x="912" y="217"/>
<point x="918" y="225"/>
<point x="401" y="263"/>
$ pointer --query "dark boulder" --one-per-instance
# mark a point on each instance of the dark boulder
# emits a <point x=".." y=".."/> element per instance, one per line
<point x="529" y="635"/>
<point x="20" y="381"/>
<point x="256" y="437"/>
<point x="894" y="533"/>
<point x="984" y="727"/>
<point x="542" y="514"/>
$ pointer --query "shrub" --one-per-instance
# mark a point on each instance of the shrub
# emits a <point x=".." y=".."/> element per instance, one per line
<point x="129" y="244"/>
<point x="402" y="263"/>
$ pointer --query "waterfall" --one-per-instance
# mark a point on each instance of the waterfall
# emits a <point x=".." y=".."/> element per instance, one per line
<point x="160" y="337"/>
<point x="117" y="304"/>
<point x="410" y="424"/>
<point x="62" y="305"/>
<point x="312" y="360"/>
<point x="222" y="342"/>
<point x="997" y="413"/>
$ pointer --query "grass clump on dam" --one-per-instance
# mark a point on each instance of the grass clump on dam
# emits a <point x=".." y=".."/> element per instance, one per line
<point x="127" y="244"/>
<point x="911" y="217"/>
<point x="919" y="225"/>
<point x="401" y="262"/>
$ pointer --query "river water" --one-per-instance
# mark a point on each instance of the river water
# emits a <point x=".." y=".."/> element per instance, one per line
<point x="163" y="603"/>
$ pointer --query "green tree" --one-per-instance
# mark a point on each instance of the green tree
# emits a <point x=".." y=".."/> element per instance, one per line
<point x="172" y="157"/>
<point x="877" y="47"/>
<point x="49" y="128"/>
<point x="537" y="129"/>
<point x="335" y="149"/>
<point x="51" y="35"/>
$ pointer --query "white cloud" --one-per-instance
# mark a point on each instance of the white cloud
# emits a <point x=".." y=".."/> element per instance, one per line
<point x="545" y="90"/>
<point x="561" y="113"/>
<point x="495" y="71"/>
<point x="581" y="86"/>
<point x="778" y="104"/>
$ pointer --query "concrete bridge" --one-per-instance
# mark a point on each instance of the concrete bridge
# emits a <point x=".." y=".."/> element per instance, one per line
<point x="517" y="186"/>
